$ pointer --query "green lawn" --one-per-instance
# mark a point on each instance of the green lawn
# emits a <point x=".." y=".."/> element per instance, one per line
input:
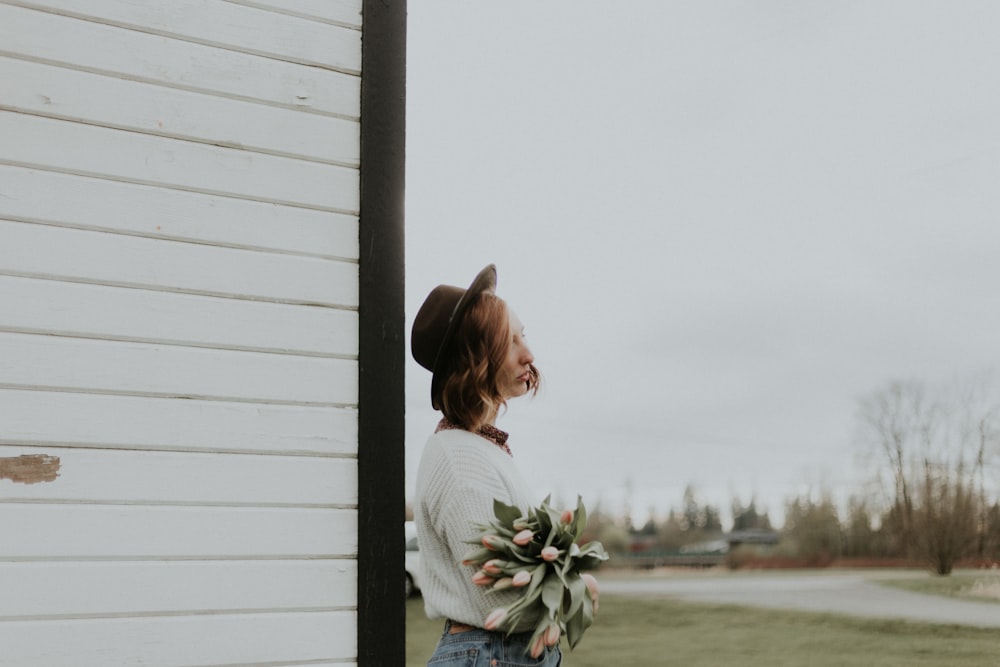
<point x="663" y="632"/>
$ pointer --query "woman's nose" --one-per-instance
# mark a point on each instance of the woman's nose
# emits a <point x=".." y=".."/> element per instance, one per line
<point x="526" y="356"/>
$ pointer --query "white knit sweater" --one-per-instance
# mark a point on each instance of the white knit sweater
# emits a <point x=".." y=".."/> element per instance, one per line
<point x="459" y="476"/>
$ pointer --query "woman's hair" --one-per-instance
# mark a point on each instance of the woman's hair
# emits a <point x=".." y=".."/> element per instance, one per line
<point x="470" y="391"/>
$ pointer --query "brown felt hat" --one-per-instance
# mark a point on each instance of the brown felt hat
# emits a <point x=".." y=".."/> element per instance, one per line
<point x="437" y="320"/>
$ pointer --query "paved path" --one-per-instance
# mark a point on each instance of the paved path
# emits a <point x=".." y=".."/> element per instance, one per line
<point x="845" y="593"/>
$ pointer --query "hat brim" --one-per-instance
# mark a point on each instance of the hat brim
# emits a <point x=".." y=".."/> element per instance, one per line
<point x="485" y="281"/>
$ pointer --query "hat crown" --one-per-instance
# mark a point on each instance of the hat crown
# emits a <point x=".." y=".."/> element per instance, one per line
<point x="430" y="326"/>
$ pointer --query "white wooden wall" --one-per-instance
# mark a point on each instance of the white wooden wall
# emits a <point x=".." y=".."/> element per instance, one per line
<point x="178" y="327"/>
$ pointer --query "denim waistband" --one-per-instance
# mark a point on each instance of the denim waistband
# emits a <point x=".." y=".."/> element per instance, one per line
<point x="515" y="645"/>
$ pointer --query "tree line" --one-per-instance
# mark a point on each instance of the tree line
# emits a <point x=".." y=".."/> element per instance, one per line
<point x="931" y="491"/>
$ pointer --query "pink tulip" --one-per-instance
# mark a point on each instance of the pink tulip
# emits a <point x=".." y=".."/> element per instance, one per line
<point x="522" y="578"/>
<point x="552" y="635"/>
<point x="591" y="582"/>
<point x="492" y="542"/>
<point x="492" y="567"/>
<point x="549" y="554"/>
<point x="567" y="517"/>
<point x="538" y="647"/>
<point x="523" y="538"/>
<point x="480" y="578"/>
<point x="495" y="618"/>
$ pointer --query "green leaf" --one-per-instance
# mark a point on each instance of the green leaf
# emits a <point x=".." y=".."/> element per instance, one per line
<point x="537" y="575"/>
<point x="545" y="527"/>
<point x="578" y="593"/>
<point x="506" y="514"/>
<point x="552" y="594"/>
<point x="580" y="520"/>
<point x="574" y="630"/>
<point x="554" y="515"/>
<point x="518" y="553"/>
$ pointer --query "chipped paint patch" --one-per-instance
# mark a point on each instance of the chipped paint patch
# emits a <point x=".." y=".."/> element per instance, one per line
<point x="30" y="468"/>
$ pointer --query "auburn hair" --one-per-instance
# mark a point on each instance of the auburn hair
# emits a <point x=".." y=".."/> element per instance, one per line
<point x="470" y="392"/>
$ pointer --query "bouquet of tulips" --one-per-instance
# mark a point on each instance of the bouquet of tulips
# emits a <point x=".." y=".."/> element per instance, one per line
<point x="538" y="553"/>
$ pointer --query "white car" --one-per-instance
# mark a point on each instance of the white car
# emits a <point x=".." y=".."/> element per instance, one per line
<point x="412" y="560"/>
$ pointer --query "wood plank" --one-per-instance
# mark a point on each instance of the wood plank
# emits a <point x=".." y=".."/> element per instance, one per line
<point x="32" y="141"/>
<point x="238" y="639"/>
<point x="95" y="311"/>
<point x="54" y="91"/>
<point x="171" y="423"/>
<point x="341" y="12"/>
<point x="96" y="366"/>
<point x="149" y="532"/>
<point x="60" y="253"/>
<point x="135" y="55"/>
<point x="228" y="25"/>
<point x="96" y="203"/>
<point x="65" y="589"/>
<point x="121" y="476"/>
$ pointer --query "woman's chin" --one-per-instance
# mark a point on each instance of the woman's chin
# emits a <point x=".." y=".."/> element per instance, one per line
<point x="516" y="392"/>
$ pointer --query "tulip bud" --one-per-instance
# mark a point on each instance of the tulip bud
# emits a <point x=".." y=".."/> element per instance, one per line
<point x="520" y="524"/>
<point x="552" y="635"/>
<point x="492" y="567"/>
<point x="591" y="582"/>
<point x="523" y="538"/>
<point x="522" y="578"/>
<point x="492" y="542"/>
<point x="567" y="517"/>
<point x="495" y="618"/>
<point x="538" y="646"/>
<point x="549" y="554"/>
<point x="480" y="578"/>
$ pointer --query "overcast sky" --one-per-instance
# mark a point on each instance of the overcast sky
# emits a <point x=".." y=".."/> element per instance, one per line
<point x="722" y="224"/>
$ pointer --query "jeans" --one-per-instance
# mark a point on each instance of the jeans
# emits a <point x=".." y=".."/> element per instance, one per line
<point x="481" y="648"/>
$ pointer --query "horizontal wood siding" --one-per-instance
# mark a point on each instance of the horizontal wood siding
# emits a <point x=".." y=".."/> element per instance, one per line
<point x="67" y="200"/>
<point x="103" y="589"/>
<point x="135" y="55"/>
<point x="179" y="201"/>
<point x="168" y="424"/>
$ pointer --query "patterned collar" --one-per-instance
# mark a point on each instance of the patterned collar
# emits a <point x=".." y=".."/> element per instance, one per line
<point x="488" y="431"/>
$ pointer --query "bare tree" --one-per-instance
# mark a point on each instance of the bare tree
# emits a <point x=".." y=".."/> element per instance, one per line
<point x="982" y="429"/>
<point x="895" y="419"/>
<point x="946" y="518"/>
<point x="934" y="448"/>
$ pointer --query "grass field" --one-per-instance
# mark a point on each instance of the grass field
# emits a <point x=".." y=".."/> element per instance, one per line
<point x="663" y="632"/>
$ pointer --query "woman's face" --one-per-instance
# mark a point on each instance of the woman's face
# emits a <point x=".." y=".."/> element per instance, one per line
<point x="515" y="375"/>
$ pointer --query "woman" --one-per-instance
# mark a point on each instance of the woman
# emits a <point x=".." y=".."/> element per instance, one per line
<point x="474" y="345"/>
